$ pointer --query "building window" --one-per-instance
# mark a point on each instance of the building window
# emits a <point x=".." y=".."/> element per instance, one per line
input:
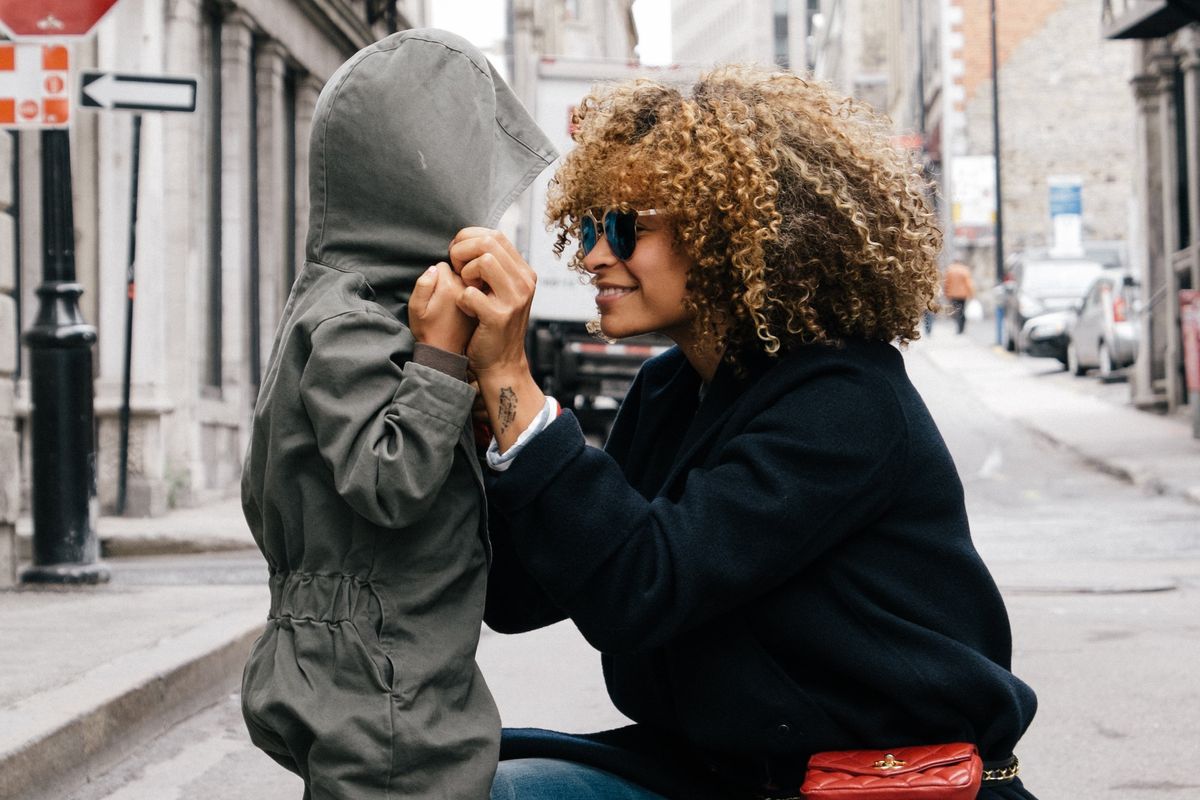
<point x="1181" y="160"/>
<point x="291" y="80"/>
<point x="254" y="307"/>
<point x="781" y="34"/>
<point x="213" y="341"/>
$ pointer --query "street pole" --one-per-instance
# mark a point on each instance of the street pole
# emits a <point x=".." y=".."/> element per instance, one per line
<point x="130" y="292"/>
<point x="63" y="452"/>
<point x="999" y="191"/>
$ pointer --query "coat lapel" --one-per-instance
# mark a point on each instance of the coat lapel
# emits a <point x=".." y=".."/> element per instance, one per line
<point x="668" y="401"/>
<point x="718" y="403"/>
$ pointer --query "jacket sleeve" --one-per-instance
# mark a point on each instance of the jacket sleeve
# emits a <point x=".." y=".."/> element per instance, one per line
<point x="515" y="601"/>
<point x="386" y="426"/>
<point x="817" y="464"/>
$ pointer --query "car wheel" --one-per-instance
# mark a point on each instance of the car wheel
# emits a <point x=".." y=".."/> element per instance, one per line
<point x="1073" y="361"/>
<point x="1104" y="356"/>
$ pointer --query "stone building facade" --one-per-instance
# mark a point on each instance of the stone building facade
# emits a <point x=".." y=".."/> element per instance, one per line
<point x="853" y="48"/>
<point x="763" y="32"/>
<point x="1166" y="150"/>
<point x="578" y="29"/>
<point x="222" y="213"/>
<point x="1065" y="109"/>
<point x="10" y="482"/>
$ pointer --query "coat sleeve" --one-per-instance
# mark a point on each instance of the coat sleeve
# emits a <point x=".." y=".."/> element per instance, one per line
<point x="819" y="463"/>
<point x="516" y="603"/>
<point x="386" y="426"/>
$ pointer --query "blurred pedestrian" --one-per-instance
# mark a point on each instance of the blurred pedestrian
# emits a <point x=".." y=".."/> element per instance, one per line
<point x="772" y="552"/>
<point x="362" y="487"/>
<point x="959" y="289"/>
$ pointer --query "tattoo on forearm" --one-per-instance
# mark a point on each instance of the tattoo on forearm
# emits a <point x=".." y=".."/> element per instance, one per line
<point x="508" y="407"/>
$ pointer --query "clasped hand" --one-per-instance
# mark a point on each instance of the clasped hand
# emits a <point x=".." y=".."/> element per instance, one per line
<point x="494" y="291"/>
<point x="479" y="304"/>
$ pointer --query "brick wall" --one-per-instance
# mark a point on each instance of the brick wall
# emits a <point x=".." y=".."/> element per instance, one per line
<point x="1016" y="21"/>
<point x="1066" y="108"/>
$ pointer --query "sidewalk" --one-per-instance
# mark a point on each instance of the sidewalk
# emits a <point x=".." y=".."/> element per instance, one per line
<point x="90" y="674"/>
<point x="1155" y="452"/>
<point x="210" y="528"/>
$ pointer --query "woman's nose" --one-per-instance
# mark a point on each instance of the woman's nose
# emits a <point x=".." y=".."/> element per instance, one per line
<point x="600" y="256"/>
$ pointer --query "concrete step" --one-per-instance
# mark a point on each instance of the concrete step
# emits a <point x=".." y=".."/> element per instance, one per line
<point x="93" y="674"/>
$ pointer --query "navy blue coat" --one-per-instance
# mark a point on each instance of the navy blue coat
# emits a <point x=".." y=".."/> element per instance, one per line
<point x="780" y="569"/>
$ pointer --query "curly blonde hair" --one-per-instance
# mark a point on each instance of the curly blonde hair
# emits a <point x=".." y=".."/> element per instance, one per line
<point x="803" y="223"/>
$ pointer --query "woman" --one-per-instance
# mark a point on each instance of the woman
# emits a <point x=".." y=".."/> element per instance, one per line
<point x="772" y="552"/>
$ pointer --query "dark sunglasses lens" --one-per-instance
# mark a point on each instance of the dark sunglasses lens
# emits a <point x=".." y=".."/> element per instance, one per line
<point x="587" y="232"/>
<point x="621" y="230"/>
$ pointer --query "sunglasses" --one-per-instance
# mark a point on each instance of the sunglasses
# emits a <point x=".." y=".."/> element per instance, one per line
<point x="620" y="229"/>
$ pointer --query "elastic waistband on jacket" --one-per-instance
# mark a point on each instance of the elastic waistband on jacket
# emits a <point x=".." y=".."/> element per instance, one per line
<point x="321" y="597"/>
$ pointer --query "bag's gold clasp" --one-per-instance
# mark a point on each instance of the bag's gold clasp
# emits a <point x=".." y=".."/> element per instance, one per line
<point x="889" y="762"/>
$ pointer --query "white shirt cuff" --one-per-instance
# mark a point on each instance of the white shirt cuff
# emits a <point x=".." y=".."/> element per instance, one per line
<point x="498" y="462"/>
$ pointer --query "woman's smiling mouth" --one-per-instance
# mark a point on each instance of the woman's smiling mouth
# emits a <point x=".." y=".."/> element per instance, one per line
<point x="610" y="294"/>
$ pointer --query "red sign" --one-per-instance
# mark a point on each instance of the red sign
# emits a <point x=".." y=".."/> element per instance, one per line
<point x="22" y="19"/>
<point x="34" y="85"/>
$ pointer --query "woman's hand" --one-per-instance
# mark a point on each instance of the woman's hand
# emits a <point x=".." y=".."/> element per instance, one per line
<point x="498" y="294"/>
<point x="433" y="313"/>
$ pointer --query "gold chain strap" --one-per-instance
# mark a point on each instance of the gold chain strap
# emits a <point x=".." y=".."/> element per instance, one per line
<point x="1004" y="773"/>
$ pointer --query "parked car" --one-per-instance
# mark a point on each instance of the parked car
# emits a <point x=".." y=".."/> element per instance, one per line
<point x="1048" y="335"/>
<point x="1037" y="285"/>
<point x="1104" y="336"/>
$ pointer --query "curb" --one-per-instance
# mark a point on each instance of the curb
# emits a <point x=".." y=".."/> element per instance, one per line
<point x="1143" y="479"/>
<point x="130" y="546"/>
<point x="54" y="741"/>
<point x="1136" y="474"/>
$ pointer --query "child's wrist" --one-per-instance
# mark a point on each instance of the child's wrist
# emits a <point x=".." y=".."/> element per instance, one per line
<point x="441" y="359"/>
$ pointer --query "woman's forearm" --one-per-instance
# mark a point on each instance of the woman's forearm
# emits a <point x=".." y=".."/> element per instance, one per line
<point x="513" y="399"/>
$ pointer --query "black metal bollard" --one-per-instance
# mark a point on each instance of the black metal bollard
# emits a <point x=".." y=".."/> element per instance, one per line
<point x="65" y="546"/>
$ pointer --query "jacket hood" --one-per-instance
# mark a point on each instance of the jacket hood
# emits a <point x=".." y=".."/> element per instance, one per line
<point x="414" y="138"/>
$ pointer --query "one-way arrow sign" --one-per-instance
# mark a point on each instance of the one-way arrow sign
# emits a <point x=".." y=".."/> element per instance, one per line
<point x="137" y="92"/>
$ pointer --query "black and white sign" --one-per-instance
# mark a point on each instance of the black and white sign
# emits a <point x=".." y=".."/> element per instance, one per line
<point x="137" y="92"/>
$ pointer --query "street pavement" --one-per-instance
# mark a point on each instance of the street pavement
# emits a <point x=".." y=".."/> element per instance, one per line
<point x="1087" y="511"/>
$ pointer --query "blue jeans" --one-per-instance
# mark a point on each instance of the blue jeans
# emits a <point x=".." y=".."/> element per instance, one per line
<point x="552" y="779"/>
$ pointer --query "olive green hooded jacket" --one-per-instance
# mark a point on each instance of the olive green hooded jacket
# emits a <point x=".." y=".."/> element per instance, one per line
<point x="360" y="485"/>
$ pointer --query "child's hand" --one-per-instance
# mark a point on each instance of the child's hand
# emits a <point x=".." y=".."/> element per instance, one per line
<point x="433" y="314"/>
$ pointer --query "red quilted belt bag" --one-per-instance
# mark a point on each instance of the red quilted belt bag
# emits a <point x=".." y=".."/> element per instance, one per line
<point x="928" y="772"/>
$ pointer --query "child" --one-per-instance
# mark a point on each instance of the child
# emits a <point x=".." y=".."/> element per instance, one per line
<point x="361" y="485"/>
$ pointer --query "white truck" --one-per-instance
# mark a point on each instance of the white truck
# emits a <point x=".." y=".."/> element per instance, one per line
<point x="584" y="373"/>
